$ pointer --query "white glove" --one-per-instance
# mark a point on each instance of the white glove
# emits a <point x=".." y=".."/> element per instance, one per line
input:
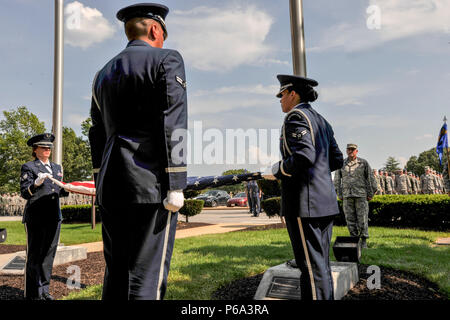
<point x="270" y="172"/>
<point x="174" y="200"/>
<point x="40" y="179"/>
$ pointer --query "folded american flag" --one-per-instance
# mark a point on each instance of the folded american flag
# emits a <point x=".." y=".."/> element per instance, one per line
<point x="193" y="183"/>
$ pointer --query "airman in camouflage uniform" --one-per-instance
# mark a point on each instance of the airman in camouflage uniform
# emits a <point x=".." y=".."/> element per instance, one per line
<point x="446" y="178"/>
<point x="413" y="189"/>
<point x="355" y="186"/>
<point x="440" y="183"/>
<point x="427" y="184"/>
<point x="402" y="184"/>
<point x="417" y="182"/>
<point x="389" y="184"/>
<point x="379" y="182"/>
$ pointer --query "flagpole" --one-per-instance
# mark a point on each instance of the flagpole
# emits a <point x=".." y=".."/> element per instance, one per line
<point x="58" y="81"/>
<point x="93" y="213"/>
<point x="297" y="37"/>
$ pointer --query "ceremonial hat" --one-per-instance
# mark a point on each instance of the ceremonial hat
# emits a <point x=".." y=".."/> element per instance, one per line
<point x="287" y="81"/>
<point x="41" y="140"/>
<point x="155" y="11"/>
<point x="352" y="146"/>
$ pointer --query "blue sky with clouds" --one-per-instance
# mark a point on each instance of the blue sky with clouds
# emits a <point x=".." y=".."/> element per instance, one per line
<point x="385" y="89"/>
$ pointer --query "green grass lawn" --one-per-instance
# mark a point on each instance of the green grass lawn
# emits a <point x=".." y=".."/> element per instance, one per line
<point x="200" y="265"/>
<point x="70" y="233"/>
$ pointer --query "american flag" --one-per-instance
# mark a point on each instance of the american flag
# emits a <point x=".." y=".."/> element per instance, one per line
<point x="193" y="183"/>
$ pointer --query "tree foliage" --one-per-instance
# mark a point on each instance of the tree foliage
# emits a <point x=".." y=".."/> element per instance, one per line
<point x="392" y="164"/>
<point x="17" y="127"/>
<point x="15" y="130"/>
<point x="77" y="162"/>
<point x="426" y="158"/>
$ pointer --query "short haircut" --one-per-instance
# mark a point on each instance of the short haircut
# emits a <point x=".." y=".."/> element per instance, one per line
<point x="138" y="27"/>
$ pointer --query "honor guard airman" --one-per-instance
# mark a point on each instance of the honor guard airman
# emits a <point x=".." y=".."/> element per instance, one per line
<point x="308" y="199"/>
<point x="138" y="144"/>
<point x="41" y="217"/>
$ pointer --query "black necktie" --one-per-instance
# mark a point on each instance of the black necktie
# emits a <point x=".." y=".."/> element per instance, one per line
<point x="49" y="168"/>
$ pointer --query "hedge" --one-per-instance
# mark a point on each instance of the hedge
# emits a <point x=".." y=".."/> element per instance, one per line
<point x="430" y="212"/>
<point x="191" y="208"/>
<point x="79" y="213"/>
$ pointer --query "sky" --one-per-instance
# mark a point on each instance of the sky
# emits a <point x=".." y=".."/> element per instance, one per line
<point x="382" y="68"/>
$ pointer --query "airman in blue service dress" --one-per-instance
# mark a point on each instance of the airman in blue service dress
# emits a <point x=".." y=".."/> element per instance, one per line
<point x="41" y="217"/>
<point x="308" y="199"/>
<point x="138" y="106"/>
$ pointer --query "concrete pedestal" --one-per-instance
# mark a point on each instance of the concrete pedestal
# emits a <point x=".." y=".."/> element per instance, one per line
<point x="282" y="282"/>
<point x="16" y="265"/>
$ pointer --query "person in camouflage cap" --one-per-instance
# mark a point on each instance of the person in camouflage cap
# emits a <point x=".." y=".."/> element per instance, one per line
<point x="355" y="185"/>
<point x="427" y="184"/>
<point x="389" y="185"/>
<point x="446" y="178"/>
<point x="402" y="184"/>
<point x="379" y="182"/>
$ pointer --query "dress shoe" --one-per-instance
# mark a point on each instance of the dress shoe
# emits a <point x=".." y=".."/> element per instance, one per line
<point x="46" y="296"/>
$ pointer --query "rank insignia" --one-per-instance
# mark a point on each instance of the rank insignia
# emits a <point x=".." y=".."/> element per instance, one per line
<point x="181" y="81"/>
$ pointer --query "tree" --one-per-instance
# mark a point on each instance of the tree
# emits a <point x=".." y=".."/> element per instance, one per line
<point x="77" y="162"/>
<point x="15" y="130"/>
<point x="235" y="188"/>
<point x="85" y="126"/>
<point x="392" y="164"/>
<point x="426" y="158"/>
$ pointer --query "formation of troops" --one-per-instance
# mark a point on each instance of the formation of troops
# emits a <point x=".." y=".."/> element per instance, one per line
<point x="12" y="204"/>
<point x="404" y="182"/>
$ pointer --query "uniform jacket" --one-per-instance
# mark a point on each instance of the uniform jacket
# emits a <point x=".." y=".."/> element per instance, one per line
<point x="309" y="155"/>
<point x="355" y="179"/>
<point x="402" y="183"/>
<point x="138" y="103"/>
<point x="42" y="201"/>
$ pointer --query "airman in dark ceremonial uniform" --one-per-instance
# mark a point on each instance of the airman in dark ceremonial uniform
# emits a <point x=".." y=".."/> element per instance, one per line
<point x="42" y="216"/>
<point x="308" y="199"/>
<point x="138" y="143"/>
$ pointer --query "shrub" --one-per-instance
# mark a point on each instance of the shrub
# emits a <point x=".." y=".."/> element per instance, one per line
<point x="191" y="208"/>
<point x="272" y="206"/>
<point x="430" y="212"/>
<point x="79" y="213"/>
<point x="270" y="188"/>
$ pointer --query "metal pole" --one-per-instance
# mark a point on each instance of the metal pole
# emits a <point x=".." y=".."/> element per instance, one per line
<point x="297" y="37"/>
<point x="58" y="81"/>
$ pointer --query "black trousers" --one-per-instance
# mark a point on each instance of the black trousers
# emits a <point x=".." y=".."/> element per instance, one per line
<point x="310" y="240"/>
<point x="42" y="242"/>
<point x="138" y="242"/>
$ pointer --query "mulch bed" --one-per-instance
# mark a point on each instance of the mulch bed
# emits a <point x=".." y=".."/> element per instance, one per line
<point x="395" y="284"/>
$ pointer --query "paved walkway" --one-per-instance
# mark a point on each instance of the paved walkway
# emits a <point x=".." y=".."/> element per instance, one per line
<point x="221" y="219"/>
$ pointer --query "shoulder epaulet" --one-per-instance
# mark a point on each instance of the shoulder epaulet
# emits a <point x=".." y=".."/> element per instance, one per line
<point x="302" y="115"/>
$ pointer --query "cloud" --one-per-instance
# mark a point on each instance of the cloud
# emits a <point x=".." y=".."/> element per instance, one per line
<point x="252" y="89"/>
<point x="399" y="19"/>
<point x="75" y="119"/>
<point x="85" y="26"/>
<point x="222" y="39"/>
<point x="425" y="136"/>
<point x="349" y="94"/>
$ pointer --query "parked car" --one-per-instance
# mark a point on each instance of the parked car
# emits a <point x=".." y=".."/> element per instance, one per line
<point x="214" y="198"/>
<point x="239" y="200"/>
